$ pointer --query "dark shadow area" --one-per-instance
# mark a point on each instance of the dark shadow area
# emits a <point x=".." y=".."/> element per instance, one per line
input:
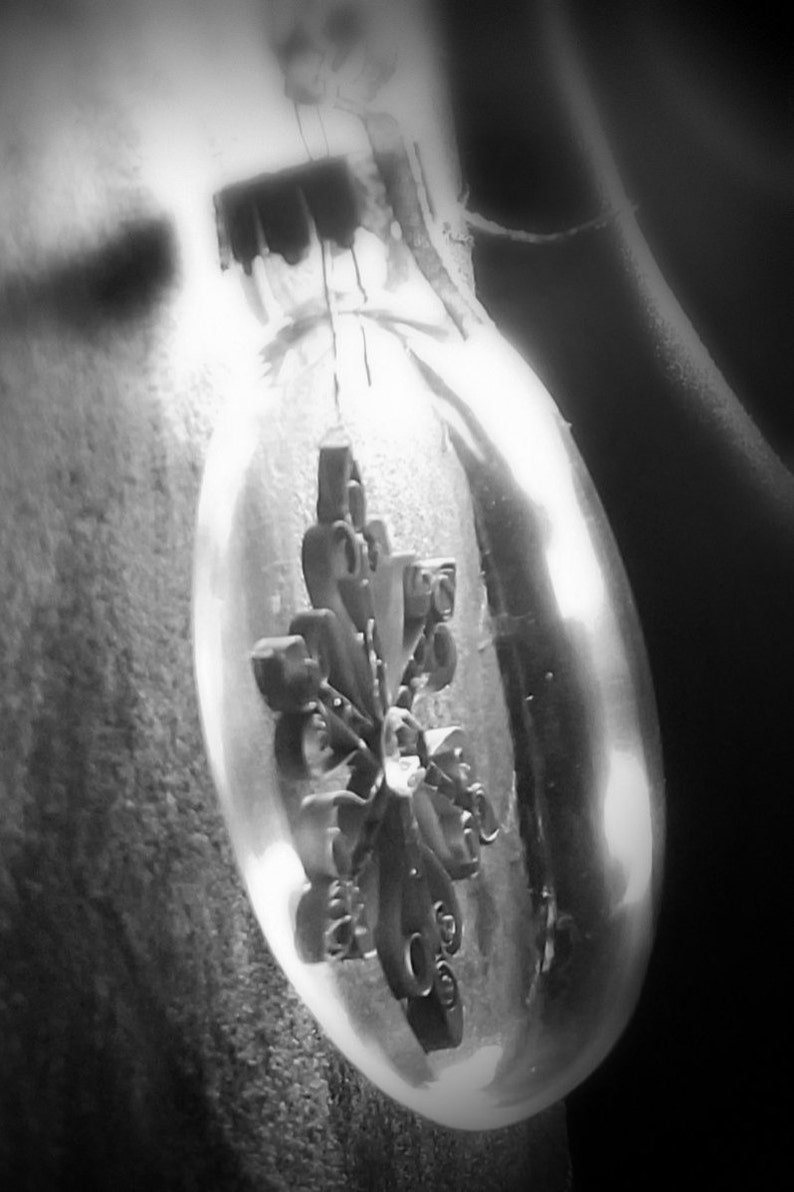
<point x="97" y="289"/>
<point x="694" y="1095"/>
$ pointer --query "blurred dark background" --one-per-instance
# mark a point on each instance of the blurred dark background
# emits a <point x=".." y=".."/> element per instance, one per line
<point x="696" y="106"/>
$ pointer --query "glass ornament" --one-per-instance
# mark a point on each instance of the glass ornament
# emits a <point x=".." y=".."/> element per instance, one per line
<point x="424" y="694"/>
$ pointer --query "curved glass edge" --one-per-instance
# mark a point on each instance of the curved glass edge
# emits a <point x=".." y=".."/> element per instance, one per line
<point x="468" y="373"/>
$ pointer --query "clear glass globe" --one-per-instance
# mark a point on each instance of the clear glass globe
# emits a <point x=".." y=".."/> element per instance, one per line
<point x="427" y="707"/>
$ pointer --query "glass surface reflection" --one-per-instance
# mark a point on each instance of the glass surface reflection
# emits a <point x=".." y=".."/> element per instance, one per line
<point x="463" y="457"/>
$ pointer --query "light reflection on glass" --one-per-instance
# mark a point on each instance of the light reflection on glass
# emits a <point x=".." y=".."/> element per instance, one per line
<point x="464" y="454"/>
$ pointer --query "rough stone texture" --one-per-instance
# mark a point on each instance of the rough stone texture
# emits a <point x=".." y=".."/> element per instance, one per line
<point x="147" y="1037"/>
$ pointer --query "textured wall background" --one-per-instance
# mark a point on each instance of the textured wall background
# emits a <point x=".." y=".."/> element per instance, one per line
<point x="147" y="1037"/>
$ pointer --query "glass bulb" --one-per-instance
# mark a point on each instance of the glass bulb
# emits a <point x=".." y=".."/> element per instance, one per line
<point x="426" y="701"/>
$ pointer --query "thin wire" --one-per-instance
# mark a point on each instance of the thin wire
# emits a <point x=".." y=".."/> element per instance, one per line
<point x="332" y="318"/>
<point x="364" y="299"/>
<point x="478" y="223"/>
<point x="297" y="110"/>
<point x="326" y="288"/>
<point x="356" y="267"/>
<point x="359" y="282"/>
<point x="321" y="122"/>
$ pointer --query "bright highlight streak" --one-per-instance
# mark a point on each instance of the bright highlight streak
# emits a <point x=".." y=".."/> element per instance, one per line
<point x="627" y="823"/>
<point x="475" y="1072"/>
<point x="538" y="462"/>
